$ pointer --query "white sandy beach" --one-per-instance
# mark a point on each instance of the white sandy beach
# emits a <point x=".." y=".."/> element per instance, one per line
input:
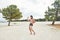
<point x="20" y="31"/>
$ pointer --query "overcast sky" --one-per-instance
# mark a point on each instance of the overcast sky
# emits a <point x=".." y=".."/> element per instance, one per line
<point x="28" y="7"/>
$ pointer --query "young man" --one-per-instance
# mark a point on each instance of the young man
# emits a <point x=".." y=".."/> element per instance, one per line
<point x="32" y="21"/>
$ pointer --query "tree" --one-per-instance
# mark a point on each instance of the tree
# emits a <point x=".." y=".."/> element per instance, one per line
<point x="50" y="14"/>
<point x="53" y="12"/>
<point x="57" y="7"/>
<point x="11" y="12"/>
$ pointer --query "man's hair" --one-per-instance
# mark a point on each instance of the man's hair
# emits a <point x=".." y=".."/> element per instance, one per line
<point x="31" y="16"/>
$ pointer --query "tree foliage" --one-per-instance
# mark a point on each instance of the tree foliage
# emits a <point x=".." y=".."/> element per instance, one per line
<point x="50" y="14"/>
<point x="11" y="12"/>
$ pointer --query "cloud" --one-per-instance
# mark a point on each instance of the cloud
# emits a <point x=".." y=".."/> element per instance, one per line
<point x="29" y="7"/>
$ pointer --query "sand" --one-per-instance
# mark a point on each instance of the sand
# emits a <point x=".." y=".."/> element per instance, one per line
<point x="55" y="25"/>
<point x="20" y="31"/>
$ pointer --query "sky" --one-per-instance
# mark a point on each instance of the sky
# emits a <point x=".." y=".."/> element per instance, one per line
<point x="28" y="7"/>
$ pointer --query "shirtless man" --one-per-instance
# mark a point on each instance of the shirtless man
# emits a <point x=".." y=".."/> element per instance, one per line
<point x="32" y="21"/>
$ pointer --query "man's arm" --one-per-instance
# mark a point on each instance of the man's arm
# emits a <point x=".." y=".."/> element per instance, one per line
<point x="28" y="19"/>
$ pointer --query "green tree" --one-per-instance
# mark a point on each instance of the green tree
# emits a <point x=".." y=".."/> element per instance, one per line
<point x="57" y="8"/>
<point x="50" y="14"/>
<point x="53" y="12"/>
<point x="11" y="12"/>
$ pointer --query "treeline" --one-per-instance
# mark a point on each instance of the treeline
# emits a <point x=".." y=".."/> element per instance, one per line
<point x="38" y="20"/>
<point x="27" y="20"/>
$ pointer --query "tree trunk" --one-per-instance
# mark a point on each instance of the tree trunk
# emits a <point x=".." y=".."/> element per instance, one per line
<point x="55" y="17"/>
<point x="53" y="22"/>
<point x="9" y="23"/>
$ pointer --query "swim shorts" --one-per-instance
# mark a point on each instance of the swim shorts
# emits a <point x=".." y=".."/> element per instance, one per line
<point x="31" y="24"/>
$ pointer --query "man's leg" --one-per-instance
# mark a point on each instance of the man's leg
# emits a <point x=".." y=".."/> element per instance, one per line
<point x="30" y="30"/>
<point x="33" y="31"/>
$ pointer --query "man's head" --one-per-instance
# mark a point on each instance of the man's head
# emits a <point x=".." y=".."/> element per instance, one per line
<point x="31" y="16"/>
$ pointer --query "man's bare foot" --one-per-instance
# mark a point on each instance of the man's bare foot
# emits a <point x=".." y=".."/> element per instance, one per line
<point x="31" y="33"/>
<point x="34" y="33"/>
